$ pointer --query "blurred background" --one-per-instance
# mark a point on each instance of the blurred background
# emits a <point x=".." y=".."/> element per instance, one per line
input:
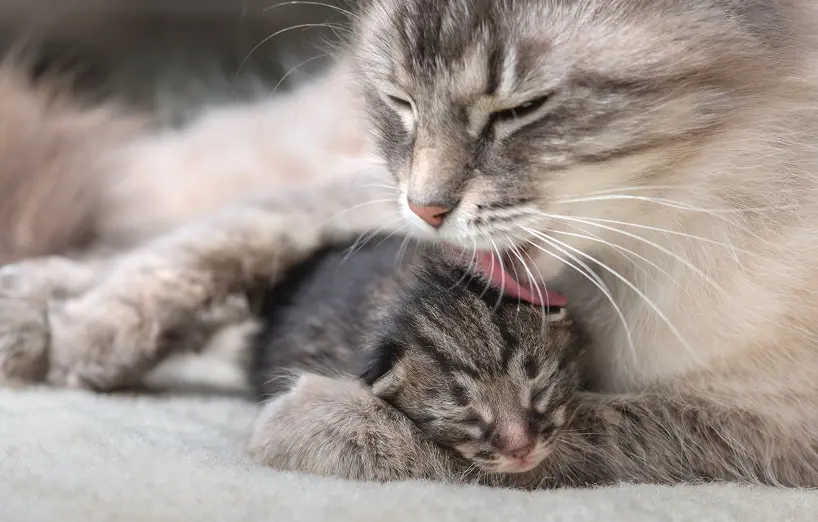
<point x="173" y="56"/>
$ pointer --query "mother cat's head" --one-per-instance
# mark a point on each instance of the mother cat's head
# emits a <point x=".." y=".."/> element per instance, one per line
<point x="500" y="118"/>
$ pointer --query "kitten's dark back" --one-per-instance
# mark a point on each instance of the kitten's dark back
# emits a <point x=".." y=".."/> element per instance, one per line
<point x="318" y="317"/>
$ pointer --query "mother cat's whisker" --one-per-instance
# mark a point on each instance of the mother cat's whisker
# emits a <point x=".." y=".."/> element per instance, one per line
<point x="355" y="207"/>
<point x="469" y="272"/>
<point x="730" y="216"/>
<point x="596" y="223"/>
<point x="491" y="270"/>
<point x="585" y="271"/>
<point x="399" y="257"/>
<point x="536" y="285"/>
<point x="318" y="4"/>
<point x="624" y="251"/>
<point x="499" y="257"/>
<point x="386" y="238"/>
<point x="659" y="313"/>
<point x="270" y="37"/>
<point x="540" y="282"/>
<point x="364" y="238"/>
<point x="669" y="231"/>
<point x="294" y="68"/>
<point x="631" y="188"/>
<point x="680" y="205"/>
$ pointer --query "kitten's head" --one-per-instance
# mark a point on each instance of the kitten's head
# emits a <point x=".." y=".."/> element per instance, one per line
<point x="489" y="382"/>
<point x="498" y="116"/>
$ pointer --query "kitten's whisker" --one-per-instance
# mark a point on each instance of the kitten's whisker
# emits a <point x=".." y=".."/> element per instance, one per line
<point x="696" y="270"/>
<point x="468" y="471"/>
<point x="636" y="290"/>
<point x="319" y="4"/>
<point x="590" y="275"/>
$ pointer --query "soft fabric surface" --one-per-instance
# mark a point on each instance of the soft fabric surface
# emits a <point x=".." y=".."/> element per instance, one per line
<point x="72" y="456"/>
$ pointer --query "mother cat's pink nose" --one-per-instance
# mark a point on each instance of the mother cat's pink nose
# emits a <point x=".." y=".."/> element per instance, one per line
<point x="431" y="214"/>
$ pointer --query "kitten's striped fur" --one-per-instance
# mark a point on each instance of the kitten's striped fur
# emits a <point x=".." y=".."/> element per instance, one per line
<point x="485" y="376"/>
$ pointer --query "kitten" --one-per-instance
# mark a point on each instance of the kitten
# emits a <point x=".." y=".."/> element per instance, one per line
<point x="653" y="161"/>
<point x="486" y="376"/>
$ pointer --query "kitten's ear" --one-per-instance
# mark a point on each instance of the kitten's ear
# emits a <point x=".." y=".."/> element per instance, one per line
<point x="381" y="361"/>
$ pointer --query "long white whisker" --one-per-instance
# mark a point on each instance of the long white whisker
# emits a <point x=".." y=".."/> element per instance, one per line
<point x="673" y="204"/>
<point x="543" y="301"/>
<point x="281" y="31"/>
<point x="502" y="269"/>
<point x="319" y="4"/>
<point x="671" y="232"/>
<point x="488" y="279"/>
<point x="655" y="245"/>
<point x="295" y="68"/>
<point x="354" y="207"/>
<point x="621" y="249"/>
<point x="402" y="251"/>
<point x="364" y="238"/>
<point x="469" y="269"/>
<point x="589" y="274"/>
<point x="636" y="290"/>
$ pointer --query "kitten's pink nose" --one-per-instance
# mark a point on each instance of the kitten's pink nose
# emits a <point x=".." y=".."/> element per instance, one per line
<point x="522" y="452"/>
<point x="431" y="214"/>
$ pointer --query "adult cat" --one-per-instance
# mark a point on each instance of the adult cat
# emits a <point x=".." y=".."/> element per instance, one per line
<point x="656" y="162"/>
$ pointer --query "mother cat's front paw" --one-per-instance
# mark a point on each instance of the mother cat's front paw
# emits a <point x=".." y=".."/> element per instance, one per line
<point x="24" y="338"/>
<point x="101" y="344"/>
<point x="339" y="428"/>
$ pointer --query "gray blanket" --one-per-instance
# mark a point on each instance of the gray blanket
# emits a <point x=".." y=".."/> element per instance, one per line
<point x="72" y="456"/>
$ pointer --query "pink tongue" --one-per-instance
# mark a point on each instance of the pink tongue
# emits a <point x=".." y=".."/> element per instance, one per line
<point x="491" y="268"/>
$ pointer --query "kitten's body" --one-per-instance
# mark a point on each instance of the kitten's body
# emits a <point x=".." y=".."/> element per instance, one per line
<point x="485" y="376"/>
<point x="324" y="312"/>
<point x="676" y="159"/>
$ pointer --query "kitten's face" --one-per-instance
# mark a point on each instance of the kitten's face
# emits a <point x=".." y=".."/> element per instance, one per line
<point x="510" y="113"/>
<point x="492" y="386"/>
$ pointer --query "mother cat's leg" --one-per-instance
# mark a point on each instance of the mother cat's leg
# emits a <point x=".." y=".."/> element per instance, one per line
<point x="112" y="335"/>
<point x="27" y="289"/>
<point x="339" y="428"/>
<point x="33" y="290"/>
<point x="667" y="438"/>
